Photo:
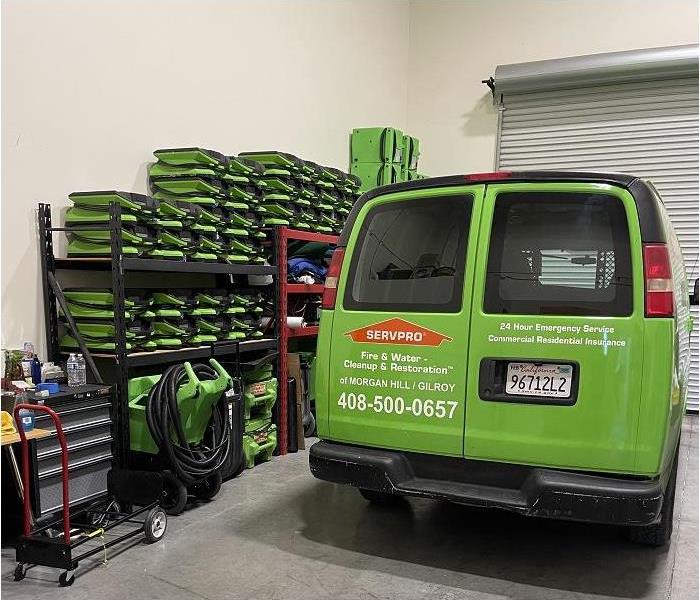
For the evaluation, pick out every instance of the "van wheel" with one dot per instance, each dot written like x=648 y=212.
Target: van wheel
x=379 y=498
x=659 y=533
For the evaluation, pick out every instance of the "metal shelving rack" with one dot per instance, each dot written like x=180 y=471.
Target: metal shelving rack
x=282 y=237
x=115 y=367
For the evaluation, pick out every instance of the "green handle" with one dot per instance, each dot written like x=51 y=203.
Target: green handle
x=690 y=324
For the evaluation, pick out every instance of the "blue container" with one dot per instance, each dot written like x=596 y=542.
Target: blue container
x=26 y=420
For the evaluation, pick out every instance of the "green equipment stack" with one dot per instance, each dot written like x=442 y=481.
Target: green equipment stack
x=260 y=395
x=139 y=213
x=93 y=312
x=383 y=155
x=303 y=194
x=223 y=196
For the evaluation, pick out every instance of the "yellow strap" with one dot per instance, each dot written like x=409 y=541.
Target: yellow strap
x=95 y=533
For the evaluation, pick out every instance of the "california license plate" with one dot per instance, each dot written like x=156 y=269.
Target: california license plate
x=535 y=379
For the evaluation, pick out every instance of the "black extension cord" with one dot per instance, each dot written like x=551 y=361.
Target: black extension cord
x=190 y=463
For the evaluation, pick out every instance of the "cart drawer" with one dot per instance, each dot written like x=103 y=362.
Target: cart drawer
x=86 y=483
x=80 y=454
x=75 y=435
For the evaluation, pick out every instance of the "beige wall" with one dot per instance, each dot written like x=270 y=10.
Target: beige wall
x=90 y=88
x=456 y=44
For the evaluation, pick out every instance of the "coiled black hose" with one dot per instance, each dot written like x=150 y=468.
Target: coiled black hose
x=189 y=462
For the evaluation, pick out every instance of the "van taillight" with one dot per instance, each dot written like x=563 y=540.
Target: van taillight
x=331 y=287
x=658 y=281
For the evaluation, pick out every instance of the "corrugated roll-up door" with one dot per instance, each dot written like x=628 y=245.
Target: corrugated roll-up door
x=630 y=112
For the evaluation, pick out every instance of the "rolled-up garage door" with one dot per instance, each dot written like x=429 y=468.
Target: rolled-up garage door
x=632 y=112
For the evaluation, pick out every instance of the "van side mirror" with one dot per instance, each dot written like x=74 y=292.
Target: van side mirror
x=694 y=296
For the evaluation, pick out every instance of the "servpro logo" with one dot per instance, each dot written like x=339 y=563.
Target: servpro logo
x=397 y=331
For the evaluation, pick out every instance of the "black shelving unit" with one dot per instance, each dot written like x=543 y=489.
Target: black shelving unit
x=117 y=367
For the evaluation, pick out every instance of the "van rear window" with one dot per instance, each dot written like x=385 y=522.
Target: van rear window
x=410 y=255
x=559 y=254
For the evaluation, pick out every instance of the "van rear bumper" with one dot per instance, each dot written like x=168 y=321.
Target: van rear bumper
x=531 y=491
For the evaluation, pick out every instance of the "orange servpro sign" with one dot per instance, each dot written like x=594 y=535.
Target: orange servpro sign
x=397 y=331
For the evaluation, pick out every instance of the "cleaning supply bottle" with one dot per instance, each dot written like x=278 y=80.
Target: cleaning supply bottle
x=36 y=370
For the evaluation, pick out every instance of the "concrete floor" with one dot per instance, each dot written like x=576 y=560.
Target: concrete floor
x=277 y=533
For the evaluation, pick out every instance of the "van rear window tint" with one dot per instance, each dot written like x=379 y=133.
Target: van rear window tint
x=559 y=254
x=410 y=255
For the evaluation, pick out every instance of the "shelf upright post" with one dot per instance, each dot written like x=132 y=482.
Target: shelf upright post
x=283 y=333
x=47 y=265
x=121 y=412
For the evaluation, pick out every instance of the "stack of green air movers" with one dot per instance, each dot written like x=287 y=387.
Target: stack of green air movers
x=260 y=395
x=224 y=196
x=89 y=209
x=93 y=312
x=303 y=194
x=196 y=317
x=383 y=155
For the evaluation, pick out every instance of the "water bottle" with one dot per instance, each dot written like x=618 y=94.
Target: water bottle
x=72 y=370
x=82 y=369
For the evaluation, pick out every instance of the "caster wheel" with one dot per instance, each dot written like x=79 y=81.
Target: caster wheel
x=155 y=524
x=64 y=580
x=20 y=572
x=175 y=496
x=207 y=489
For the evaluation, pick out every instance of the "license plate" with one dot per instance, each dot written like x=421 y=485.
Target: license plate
x=532 y=379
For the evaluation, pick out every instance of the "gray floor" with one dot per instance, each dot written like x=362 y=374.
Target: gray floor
x=277 y=533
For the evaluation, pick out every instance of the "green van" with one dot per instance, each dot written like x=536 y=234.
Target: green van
x=510 y=340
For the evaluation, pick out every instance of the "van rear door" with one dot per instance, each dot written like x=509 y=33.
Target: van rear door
x=557 y=327
x=401 y=322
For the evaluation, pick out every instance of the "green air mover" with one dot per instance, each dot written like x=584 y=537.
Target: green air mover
x=411 y=152
x=135 y=203
x=183 y=417
x=82 y=249
x=69 y=343
x=191 y=156
x=275 y=158
x=259 y=441
x=101 y=331
x=245 y=166
x=203 y=201
x=194 y=186
x=375 y=174
x=259 y=393
x=162 y=253
x=135 y=235
x=94 y=215
x=158 y=171
x=376 y=145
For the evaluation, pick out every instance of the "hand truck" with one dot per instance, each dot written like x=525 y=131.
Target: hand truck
x=55 y=544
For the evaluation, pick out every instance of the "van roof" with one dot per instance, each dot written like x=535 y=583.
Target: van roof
x=648 y=207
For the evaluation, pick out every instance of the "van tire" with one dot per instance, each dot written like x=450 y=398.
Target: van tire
x=379 y=498
x=659 y=533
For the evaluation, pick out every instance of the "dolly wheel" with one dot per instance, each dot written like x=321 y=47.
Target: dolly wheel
x=64 y=580
x=155 y=524
x=207 y=489
x=175 y=497
x=20 y=572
